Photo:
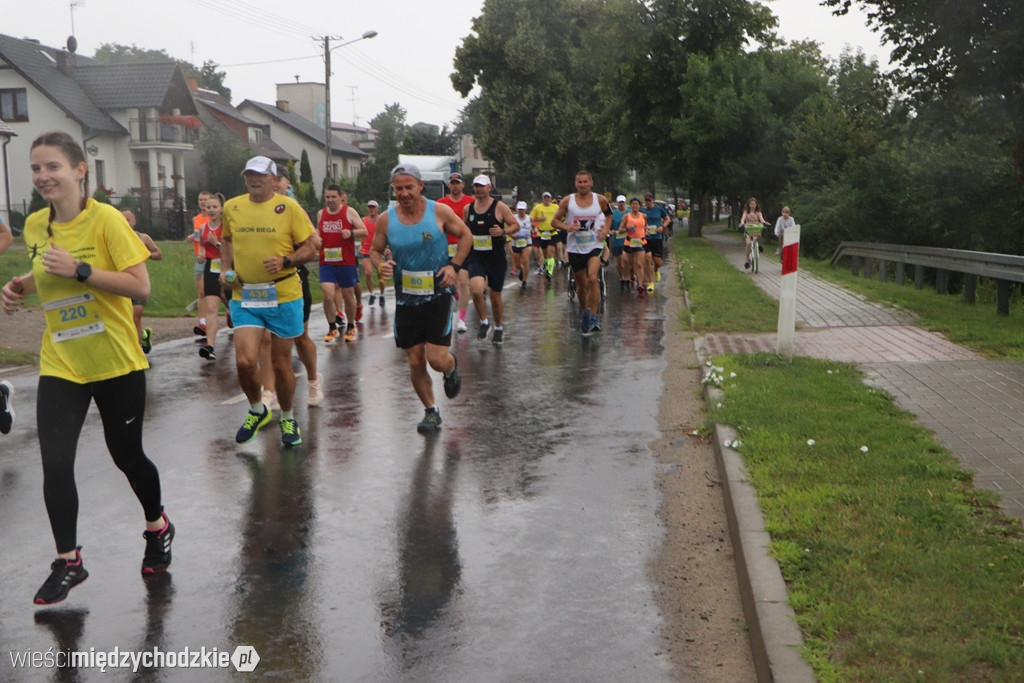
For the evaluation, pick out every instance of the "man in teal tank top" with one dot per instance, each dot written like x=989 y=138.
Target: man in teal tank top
x=414 y=232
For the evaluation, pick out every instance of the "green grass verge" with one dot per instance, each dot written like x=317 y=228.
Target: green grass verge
x=721 y=298
x=897 y=567
x=976 y=326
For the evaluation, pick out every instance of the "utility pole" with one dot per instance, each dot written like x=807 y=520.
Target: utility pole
x=328 y=150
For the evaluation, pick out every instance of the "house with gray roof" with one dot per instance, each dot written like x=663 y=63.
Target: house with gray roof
x=137 y=121
x=296 y=133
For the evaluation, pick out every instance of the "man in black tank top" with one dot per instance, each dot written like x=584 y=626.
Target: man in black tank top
x=491 y=222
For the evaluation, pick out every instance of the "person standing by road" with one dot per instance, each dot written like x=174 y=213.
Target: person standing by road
x=338 y=225
x=370 y=223
x=586 y=218
x=87 y=265
x=260 y=232
x=424 y=276
x=491 y=222
x=458 y=201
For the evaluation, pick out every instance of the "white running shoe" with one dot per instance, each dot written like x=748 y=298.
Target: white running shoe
x=460 y=326
x=316 y=391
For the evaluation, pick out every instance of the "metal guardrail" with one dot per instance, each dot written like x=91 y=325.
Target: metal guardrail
x=1004 y=269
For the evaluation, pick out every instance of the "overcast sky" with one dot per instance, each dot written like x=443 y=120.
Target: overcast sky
x=259 y=43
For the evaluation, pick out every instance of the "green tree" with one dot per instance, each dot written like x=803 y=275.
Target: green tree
x=425 y=138
x=221 y=156
x=963 y=50
x=537 y=107
x=305 y=170
x=374 y=177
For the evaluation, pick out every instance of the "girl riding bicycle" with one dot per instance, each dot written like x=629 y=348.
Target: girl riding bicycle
x=751 y=222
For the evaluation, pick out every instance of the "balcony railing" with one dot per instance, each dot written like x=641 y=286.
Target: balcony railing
x=154 y=131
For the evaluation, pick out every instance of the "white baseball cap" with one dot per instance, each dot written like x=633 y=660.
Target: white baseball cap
x=261 y=165
x=372 y=202
x=481 y=180
x=521 y=205
x=621 y=198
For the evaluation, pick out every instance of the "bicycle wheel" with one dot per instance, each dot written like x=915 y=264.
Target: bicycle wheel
x=755 y=255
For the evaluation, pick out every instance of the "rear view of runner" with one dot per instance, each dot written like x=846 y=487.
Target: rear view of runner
x=458 y=201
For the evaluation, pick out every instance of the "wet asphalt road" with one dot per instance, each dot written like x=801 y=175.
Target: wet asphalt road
x=512 y=545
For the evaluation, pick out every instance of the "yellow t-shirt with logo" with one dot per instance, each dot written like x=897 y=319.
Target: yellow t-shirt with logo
x=542 y=216
x=90 y=335
x=270 y=228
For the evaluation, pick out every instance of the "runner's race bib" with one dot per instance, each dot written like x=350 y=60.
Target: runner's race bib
x=77 y=316
x=215 y=265
x=332 y=255
x=418 y=282
x=261 y=295
x=482 y=242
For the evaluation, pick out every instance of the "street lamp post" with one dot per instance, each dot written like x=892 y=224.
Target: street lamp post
x=328 y=150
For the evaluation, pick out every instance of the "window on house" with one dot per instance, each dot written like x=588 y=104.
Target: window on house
x=101 y=173
x=256 y=136
x=13 y=104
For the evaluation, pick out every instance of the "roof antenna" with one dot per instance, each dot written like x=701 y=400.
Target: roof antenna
x=73 y=4
x=72 y=44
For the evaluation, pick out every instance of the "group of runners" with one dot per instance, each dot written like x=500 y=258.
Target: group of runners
x=88 y=267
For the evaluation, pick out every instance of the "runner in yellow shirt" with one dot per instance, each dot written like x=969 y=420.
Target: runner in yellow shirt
x=87 y=266
x=259 y=236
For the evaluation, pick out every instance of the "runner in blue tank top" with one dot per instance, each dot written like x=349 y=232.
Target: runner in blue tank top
x=424 y=275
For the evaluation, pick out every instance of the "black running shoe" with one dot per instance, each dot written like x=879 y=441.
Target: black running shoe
x=199 y=330
x=497 y=337
x=6 y=408
x=207 y=352
x=252 y=424
x=482 y=332
x=453 y=381
x=158 y=548
x=431 y=422
x=64 y=575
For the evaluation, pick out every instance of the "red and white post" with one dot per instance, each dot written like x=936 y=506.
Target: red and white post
x=787 y=292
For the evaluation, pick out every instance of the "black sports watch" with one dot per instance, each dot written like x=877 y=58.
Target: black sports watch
x=456 y=266
x=83 y=271
x=287 y=262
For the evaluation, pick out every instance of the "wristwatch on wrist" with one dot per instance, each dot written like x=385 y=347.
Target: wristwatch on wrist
x=287 y=263
x=456 y=266
x=82 y=271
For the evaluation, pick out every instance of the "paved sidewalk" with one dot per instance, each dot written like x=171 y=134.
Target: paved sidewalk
x=974 y=406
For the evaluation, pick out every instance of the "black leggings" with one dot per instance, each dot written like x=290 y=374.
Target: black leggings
x=61 y=407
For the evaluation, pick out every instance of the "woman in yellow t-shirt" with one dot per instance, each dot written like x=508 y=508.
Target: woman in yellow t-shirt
x=87 y=266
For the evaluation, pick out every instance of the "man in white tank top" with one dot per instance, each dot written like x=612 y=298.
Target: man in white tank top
x=587 y=219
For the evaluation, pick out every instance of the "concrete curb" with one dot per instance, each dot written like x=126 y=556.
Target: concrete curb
x=775 y=638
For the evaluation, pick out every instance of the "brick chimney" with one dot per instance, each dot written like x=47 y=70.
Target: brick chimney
x=65 y=62
x=193 y=83
x=283 y=105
